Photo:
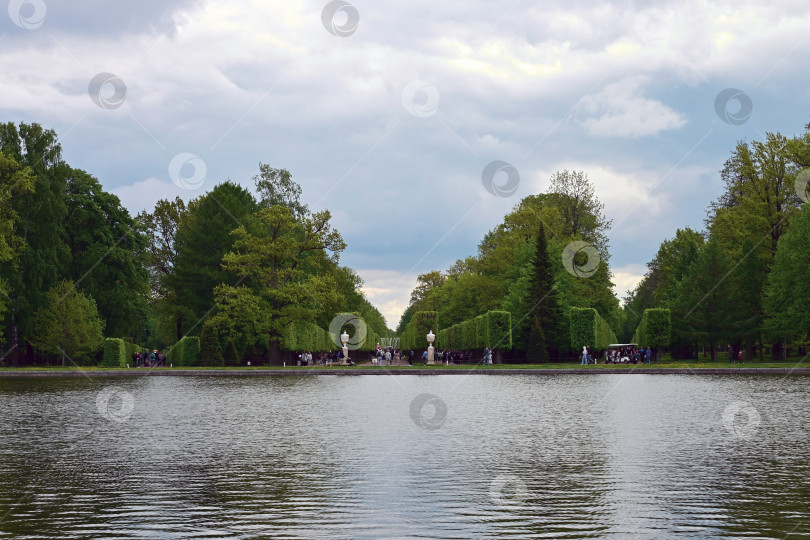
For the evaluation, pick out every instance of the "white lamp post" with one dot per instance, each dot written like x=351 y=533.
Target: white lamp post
x=344 y=337
x=431 y=337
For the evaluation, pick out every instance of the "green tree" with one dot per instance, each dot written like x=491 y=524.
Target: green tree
x=15 y=180
x=203 y=238
x=787 y=286
x=583 y=214
x=282 y=267
x=41 y=214
x=107 y=254
x=544 y=332
x=704 y=297
x=160 y=227
x=276 y=187
x=70 y=325
x=746 y=307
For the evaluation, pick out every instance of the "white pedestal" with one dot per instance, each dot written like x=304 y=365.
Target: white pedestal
x=430 y=360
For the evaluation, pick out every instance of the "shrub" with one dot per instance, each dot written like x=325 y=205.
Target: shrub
x=114 y=353
x=210 y=352
x=190 y=352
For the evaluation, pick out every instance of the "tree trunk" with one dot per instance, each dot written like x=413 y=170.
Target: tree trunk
x=275 y=353
x=761 y=358
x=15 y=342
x=749 y=350
x=713 y=351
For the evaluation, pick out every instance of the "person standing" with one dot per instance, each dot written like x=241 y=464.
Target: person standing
x=388 y=357
x=487 y=356
x=584 y=355
x=648 y=354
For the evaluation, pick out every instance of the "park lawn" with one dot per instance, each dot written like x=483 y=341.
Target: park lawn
x=790 y=363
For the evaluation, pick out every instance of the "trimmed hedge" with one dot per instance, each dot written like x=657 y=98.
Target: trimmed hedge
x=185 y=352
x=493 y=329
x=589 y=328
x=416 y=330
x=655 y=329
x=304 y=336
x=115 y=353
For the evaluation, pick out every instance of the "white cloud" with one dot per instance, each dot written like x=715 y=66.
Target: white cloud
x=145 y=194
x=626 y=278
x=620 y=110
x=389 y=291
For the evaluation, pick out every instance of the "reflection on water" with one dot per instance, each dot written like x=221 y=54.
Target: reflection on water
x=503 y=456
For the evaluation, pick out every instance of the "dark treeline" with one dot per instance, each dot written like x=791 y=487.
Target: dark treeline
x=77 y=267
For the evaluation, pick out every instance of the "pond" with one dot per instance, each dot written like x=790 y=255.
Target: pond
x=455 y=456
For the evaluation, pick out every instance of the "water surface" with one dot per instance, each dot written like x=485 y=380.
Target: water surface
x=570 y=456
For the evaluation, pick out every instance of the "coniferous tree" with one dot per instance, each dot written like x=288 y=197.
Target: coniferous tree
x=543 y=333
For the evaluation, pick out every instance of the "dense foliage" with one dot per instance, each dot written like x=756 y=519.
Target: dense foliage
x=740 y=284
x=589 y=328
x=248 y=266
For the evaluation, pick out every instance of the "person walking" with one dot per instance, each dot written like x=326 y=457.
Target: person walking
x=584 y=355
x=487 y=356
x=388 y=357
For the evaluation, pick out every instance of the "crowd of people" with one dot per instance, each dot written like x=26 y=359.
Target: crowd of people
x=149 y=359
x=629 y=355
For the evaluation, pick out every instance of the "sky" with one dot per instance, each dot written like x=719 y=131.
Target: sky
x=388 y=114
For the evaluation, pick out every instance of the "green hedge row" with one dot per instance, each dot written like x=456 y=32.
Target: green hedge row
x=304 y=336
x=416 y=331
x=118 y=352
x=185 y=352
x=655 y=328
x=115 y=353
x=589 y=328
x=492 y=329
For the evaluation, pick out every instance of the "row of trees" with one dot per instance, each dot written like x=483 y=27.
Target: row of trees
x=77 y=266
x=741 y=282
x=520 y=268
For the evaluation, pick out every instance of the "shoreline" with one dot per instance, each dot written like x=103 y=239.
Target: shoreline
x=304 y=372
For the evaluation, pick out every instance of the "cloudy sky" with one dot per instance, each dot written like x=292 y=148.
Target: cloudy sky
x=387 y=113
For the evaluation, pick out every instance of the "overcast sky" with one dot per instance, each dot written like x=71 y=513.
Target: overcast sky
x=388 y=112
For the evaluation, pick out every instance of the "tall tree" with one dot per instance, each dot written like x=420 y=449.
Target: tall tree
x=107 y=254
x=161 y=227
x=703 y=299
x=203 y=238
x=787 y=286
x=759 y=196
x=582 y=212
x=276 y=186
x=281 y=267
x=70 y=324
x=15 y=180
x=745 y=303
x=41 y=212
x=543 y=337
